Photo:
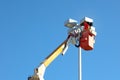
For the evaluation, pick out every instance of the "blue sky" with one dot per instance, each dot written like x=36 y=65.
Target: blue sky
x=31 y=29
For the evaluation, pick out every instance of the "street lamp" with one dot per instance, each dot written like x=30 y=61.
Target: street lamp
x=82 y=36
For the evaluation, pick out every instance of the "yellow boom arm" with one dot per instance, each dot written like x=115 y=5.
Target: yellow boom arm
x=54 y=54
x=39 y=72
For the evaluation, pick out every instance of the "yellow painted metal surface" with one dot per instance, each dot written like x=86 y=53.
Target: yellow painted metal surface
x=54 y=54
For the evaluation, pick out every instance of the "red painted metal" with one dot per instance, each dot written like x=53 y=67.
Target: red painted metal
x=87 y=38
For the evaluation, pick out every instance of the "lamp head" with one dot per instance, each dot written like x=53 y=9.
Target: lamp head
x=70 y=23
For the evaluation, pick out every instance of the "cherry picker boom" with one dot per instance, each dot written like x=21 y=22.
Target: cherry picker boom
x=81 y=35
x=39 y=72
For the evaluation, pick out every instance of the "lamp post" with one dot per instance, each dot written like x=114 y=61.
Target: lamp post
x=79 y=63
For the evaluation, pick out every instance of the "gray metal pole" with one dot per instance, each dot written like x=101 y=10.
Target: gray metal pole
x=79 y=64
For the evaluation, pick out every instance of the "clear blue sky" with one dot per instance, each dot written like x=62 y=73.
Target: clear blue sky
x=31 y=29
